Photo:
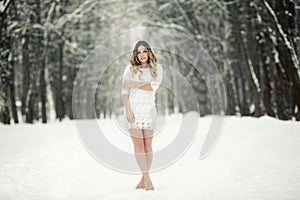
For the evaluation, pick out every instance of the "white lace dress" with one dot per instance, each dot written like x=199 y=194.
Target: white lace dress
x=142 y=102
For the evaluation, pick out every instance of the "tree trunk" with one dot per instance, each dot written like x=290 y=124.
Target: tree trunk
x=11 y=64
x=25 y=73
x=4 y=53
x=285 y=56
x=35 y=47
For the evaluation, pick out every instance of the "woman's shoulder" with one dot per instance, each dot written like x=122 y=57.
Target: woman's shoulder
x=159 y=67
x=127 y=68
x=126 y=72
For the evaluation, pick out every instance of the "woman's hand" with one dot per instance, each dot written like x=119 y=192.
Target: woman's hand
x=130 y=116
x=141 y=85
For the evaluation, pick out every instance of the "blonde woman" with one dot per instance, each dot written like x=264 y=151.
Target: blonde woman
x=141 y=79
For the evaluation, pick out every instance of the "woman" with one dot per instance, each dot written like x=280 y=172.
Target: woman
x=141 y=79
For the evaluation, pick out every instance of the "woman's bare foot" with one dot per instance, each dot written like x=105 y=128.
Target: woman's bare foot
x=148 y=182
x=141 y=184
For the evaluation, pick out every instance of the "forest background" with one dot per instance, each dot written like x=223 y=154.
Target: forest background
x=254 y=43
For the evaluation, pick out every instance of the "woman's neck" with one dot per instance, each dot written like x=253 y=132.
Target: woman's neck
x=144 y=65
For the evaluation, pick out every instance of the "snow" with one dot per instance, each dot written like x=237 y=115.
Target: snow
x=276 y=56
x=255 y=158
x=252 y=108
x=259 y=20
x=267 y=60
x=254 y=77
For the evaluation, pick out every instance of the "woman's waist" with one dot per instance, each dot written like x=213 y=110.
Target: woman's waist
x=141 y=91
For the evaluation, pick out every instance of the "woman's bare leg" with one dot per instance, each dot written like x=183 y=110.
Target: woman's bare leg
x=148 y=135
x=141 y=184
x=137 y=138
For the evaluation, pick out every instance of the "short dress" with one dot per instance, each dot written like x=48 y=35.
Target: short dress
x=142 y=102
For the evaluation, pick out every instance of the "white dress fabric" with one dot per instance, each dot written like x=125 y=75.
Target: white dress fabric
x=142 y=102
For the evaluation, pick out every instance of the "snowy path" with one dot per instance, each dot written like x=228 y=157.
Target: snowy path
x=254 y=159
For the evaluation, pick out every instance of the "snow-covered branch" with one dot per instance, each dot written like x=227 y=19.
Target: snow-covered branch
x=4 y=5
x=183 y=12
x=284 y=36
x=83 y=8
x=231 y=2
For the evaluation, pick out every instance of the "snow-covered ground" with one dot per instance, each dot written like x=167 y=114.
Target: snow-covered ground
x=254 y=159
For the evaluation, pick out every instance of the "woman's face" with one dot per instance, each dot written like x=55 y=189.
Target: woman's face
x=142 y=54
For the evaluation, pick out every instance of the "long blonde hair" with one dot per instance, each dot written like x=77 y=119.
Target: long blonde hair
x=135 y=64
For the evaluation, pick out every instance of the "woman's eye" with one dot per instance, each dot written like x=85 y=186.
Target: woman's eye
x=138 y=52
x=145 y=51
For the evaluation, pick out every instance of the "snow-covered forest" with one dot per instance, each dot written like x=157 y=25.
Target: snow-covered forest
x=255 y=44
x=63 y=60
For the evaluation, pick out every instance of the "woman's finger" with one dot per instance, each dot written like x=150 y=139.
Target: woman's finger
x=132 y=117
x=129 y=118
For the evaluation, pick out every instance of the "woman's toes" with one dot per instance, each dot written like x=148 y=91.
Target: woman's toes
x=141 y=184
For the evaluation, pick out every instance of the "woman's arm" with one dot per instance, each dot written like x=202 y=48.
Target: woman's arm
x=140 y=85
x=129 y=113
x=156 y=83
x=149 y=86
x=125 y=96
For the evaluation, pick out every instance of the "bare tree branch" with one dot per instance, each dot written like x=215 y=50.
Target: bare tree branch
x=284 y=36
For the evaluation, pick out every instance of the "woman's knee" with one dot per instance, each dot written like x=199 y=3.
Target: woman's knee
x=138 y=143
x=148 y=145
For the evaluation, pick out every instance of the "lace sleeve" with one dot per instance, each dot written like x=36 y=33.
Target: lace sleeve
x=155 y=83
x=126 y=76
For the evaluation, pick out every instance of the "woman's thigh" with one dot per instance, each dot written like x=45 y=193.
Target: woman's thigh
x=136 y=133
x=147 y=133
